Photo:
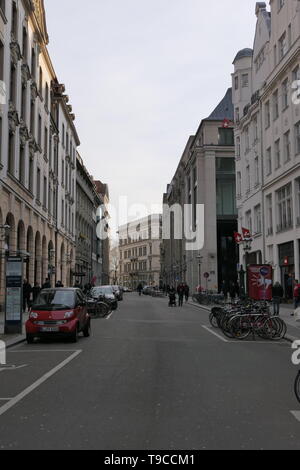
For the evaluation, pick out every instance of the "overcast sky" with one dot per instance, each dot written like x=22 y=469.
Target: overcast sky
x=141 y=74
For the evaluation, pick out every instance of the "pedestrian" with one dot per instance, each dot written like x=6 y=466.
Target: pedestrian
x=224 y=289
x=186 y=292
x=232 y=291
x=277 y=295
x=59 y=285
x=35 y=291
x=172 y=297
x=27 y=289
x=296 y=295
x=180 y=292
x=140 y=289
x=47 y=284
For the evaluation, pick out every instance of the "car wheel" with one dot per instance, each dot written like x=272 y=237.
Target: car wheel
x=29 y=339
x=75 y=335
x=87 y=330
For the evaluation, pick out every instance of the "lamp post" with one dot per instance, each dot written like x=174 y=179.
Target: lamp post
x=50 y=264
x=247 y=245
x=199 y=258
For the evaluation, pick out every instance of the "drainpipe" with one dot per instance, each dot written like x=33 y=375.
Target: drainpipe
x=262 y=183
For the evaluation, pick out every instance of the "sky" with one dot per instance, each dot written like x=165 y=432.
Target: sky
x=141 y=75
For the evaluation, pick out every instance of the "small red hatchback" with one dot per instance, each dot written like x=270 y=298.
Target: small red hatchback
x=58 y=312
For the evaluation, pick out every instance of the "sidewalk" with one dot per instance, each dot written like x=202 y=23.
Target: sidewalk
x=11 y=340
x=293 y=331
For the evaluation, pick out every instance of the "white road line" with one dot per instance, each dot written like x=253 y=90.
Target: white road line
x=107 y=318
x=296 y=415
x=215 y=334
x=31 y=388
x=42 y=351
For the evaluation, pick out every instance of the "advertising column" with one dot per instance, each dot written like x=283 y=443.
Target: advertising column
x=13 y=296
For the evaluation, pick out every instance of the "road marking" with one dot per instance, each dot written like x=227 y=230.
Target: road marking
x=296 y=415
x=9 y=368
x=31 y=388
x=15 y=351
x=214 y=333
x=107 y=318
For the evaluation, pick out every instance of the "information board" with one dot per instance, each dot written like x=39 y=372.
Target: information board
x=14 y=295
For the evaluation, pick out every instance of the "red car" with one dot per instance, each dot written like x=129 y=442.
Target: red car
x=58 y=312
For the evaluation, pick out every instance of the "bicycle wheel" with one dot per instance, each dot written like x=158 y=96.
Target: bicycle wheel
x=213 y=320
x=297 y=387
x=239 y=327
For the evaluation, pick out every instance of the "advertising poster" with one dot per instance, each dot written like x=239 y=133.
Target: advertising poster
x=260 y=280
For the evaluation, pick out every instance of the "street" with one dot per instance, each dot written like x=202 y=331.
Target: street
x=150 y=377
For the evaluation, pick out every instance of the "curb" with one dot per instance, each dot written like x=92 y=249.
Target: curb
x=288 y=338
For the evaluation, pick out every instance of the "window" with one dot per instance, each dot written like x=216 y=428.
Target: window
x=277 y=155
x=22 y=165
x=255 y=130
x=245 y=80
x=13 y=83
x=256 y=166
x=14 y=21
x=248 y=182
x=40 y=131
x=275 y=105
x=1 y=61
x=38 y=184
x=257 y=219
x=63 y=135
x=269 y=161
x=269 y=214
x=47 y=96
x=226 y=137
x=239 y=184
x=282 y=46
x=11 y=153
x=267 y=114
x=24 y=103
x=226 y=197
x=41 y=83
x=248 y=220
x=25 y=45
x=287 y=147
x=63 y=172
x=32 y=118
x=285 y=94
x=237 y=114
x=33 y=64
x=297 y=138
x=238 y=147
x=284 y=208
x=46 y=143
x=62 y=212
x=45 y=193
x=31 y=173
x=247 y=139
x=236 y=83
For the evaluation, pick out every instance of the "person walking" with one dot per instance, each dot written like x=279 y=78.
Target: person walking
x=277 y=295
x=35 y=291
x=47 y=284
x=27 y=289
x=232 y=291
x=140 y=289
x=296 y=295
x=186 y=292
x=180 y=292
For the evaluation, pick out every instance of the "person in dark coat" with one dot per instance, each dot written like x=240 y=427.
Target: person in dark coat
x=47 y=284
x=180 y=292
x=35 y=291
x=186 y=292
x=232 y=291
x=277 y=295
x=27 y=289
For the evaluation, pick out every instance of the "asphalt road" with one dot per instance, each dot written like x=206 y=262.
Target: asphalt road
x=149 y=378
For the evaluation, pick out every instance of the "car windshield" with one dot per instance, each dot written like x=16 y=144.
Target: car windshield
x=97 y=291
x=55 y=299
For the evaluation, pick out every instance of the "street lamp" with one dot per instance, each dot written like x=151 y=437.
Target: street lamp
x=199 y=258
x=247 y=246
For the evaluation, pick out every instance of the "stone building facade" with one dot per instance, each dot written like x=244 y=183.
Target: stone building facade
x=267 y=137
x=139 y=252
x=32 y=111
x=205 y=176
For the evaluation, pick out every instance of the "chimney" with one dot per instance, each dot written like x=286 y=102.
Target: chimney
x=260 y=6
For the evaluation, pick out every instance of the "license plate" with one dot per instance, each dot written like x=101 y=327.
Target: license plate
x=49 y=330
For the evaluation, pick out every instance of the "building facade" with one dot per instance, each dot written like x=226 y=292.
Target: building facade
x=29 y=147
x=205 y=176
x=267 y=136
x=103 y=192
x=139 y=252
x=88 y=267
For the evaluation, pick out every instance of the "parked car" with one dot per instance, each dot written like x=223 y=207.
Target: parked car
x=118 y=291
x=58 y=312
x=126 y=290
x=147 y=290
x=106 y=292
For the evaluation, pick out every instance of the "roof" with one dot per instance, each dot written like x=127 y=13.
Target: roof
x=243 y=53
x=224 y=110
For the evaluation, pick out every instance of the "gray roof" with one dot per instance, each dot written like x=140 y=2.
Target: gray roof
x=243 y=53
x=224 y=110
